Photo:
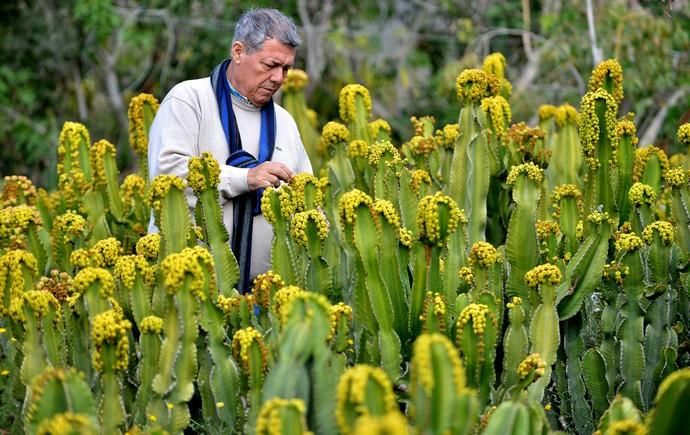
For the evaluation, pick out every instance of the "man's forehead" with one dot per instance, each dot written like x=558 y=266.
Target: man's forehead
x=274 y=48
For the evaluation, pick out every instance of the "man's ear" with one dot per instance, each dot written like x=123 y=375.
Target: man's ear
x=235 y=51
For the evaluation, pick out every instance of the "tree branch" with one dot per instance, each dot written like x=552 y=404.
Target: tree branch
x=597 y=55
x=652 y=131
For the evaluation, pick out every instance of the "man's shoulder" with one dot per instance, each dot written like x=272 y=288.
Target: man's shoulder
x=191 y=89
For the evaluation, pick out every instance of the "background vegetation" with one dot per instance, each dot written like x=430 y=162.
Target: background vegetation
x=83 y=60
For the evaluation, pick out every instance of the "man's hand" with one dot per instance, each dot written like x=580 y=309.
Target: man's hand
x=268 y=174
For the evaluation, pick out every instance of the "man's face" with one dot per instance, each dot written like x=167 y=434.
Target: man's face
x=260 y=74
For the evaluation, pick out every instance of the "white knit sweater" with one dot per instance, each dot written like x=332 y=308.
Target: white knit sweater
x=188 y=124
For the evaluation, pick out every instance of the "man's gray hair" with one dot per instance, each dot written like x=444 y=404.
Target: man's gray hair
x=257 y=25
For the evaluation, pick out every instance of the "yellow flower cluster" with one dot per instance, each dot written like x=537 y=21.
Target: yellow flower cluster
x=597 y=217
x=110 y=328
x=109 y=250
x=495 y=64
x=358 y=148
x=299 y=222
x=546 y=228
x=419 y=176
x=476 y=313
x=68 y=227
x=532 y=171
x=683 y=134
x=41 y=302
x=149 y=245
x=90 y=275
x=14 y=224
x=642 y=157
x=472 y=85
x=270 y=420
x=283 y=299
x=626 y=426
x=84 y=257
x=565 y=191
x=641 y=194
x=608 y=72
x=543 y=274
x=421 y=145
x=625 y=127
x=242 y=342
x=466 y=274
x=534 y=362
x=387 y=424
x=566 y=114
x=406 y=237
x=382 y=208
x=677 y=177
x=484 y=255
x=627 y=242
x=204 y=173
x=337 y=312
x=429 y=219
x=126 y=270
x=497 y=110
x=422 y=125
x=73 y=186
x=665 y=230
x=352 y=390
x=348 y=203
x=265 y=284
x=301 y=184
x=295 y=80
x=287 y=203
x=347 y=102
x=97 y=154
x=229 y=305
x=378 y=128
x=11 y=267
x=616 y=271
x=514 y=302
x=160 y=187
x=525 y=137
x=71 y=135
x=66 y=423
x=133 y=189
x=423 y=368
x=589 y=125
x=381 y=148
x=306 y=298
x=434 y=302
x=334 y=134
x=546 y=111
x=151 y=325
x=58 y=283
x=17 y=189
x=138 y=137
x=177 y=267
x=447 y=137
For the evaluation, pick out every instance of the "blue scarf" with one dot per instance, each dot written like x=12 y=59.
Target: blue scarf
x=248 y=205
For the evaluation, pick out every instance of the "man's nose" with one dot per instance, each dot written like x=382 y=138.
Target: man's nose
x=277 y=75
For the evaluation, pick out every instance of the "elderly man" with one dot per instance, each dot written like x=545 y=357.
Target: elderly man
x=232 y=115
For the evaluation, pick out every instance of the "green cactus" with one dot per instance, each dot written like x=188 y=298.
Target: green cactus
x=667 y=417
x=141 y=111
x=285 y=416
x=477 y=333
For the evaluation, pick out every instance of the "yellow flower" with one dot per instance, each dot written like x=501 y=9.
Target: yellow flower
x=563 y=191
x=109 y=250
x=641 y=194
x=628 y=242
x=474 y=84
x=684 y=134
x=484 y=255
x=495 y=64
x=335 y=134
x=300 y=222
x=384 y=209
x=337 y=312
x=534 y=362
x=676 y=177
x=126 y=270
x=204 y=173
x=447 y=137
x=435 y=210
x=151 y=325
x=644 y=155
x=177 y=267
x=532 y=171
x=390 y=423
x=435 y=303
x=420 y=176
x=16 y=190
x=90 y=275
x=543 y=274
x=138 y=136
x=546 y=228
x=72 y=136
x=608 y=72
x=422 y=370
x=381 y=149
x=265 y=285
x=347 y=102
x=348 y=203
x=378 y=128
x=566 y=114
x=66 y=423
x=352 y=392
x=303 y=185
x=270 y=419
x=626 y=128
x=295 y=80
x=476 y=313
x=160 y=187
x=626 y=427
x=589 y=125
x=420 y=145
x=133 y=189
x=110 y=328
x=241 y=344
x=546 y=111
x=497 y=110
x=278 y=202
x=665 y=230
x=97 y=154
x=406 y=237
x=149 y=245
x=466 y=274
x=358 y=148
x=15 y=222
x=282 y=300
